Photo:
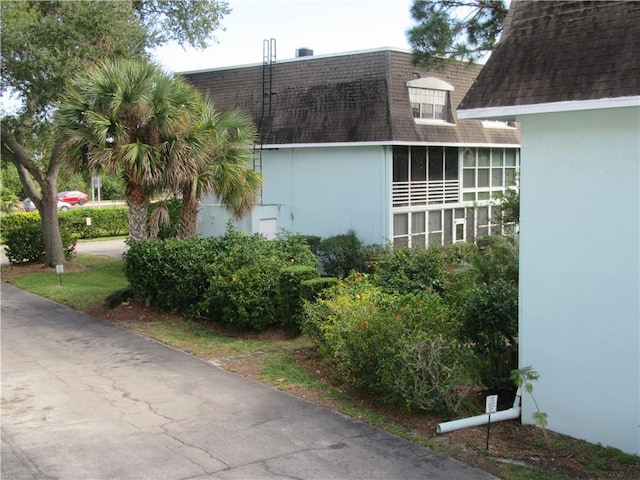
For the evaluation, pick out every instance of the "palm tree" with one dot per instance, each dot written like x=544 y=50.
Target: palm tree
x=131 y=118
x=218 y=161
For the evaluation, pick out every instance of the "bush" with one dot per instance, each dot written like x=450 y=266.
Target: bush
x=406 y=270
x=490 y=260
x=496 y=259
x=170 y=274
x=105 y=222
x=311 y=240
x=243 y=283
x=291 y=294
x=376 y=339
x=24 y=241
x=111 y=221
x=341 y=254
x=312 y=289
x=490 y=322
x=433 y=372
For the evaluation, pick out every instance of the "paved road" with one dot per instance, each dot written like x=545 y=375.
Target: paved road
x=111 y=248
x=82 y=399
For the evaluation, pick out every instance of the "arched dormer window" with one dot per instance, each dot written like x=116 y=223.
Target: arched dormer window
x=430 y=100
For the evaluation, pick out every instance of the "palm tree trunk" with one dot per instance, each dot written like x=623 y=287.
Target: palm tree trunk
x=137 y=212
x=188 y=215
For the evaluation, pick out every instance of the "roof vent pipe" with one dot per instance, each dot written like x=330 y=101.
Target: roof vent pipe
x=304 y=52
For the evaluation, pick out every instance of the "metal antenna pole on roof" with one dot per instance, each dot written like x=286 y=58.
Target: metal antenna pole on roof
x=268 y=60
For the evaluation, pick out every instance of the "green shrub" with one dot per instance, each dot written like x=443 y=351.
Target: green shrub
x=312 y=241
x=24 y=241
x=16 y=220
x=496 y=259
x=105 y=222
x=112 y=187
x=341 y=254
x=405 y=270
x=312 y=289
x=490 y=260
x=243 y=283
x=170 y=274
x=291 y=294
x=433 y=371
x=375 y=339
x=489 y=319
x=456 y=254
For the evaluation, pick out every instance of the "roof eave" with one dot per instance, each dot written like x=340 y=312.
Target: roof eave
x=510 y=112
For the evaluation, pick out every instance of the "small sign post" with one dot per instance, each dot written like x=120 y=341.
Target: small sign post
x=96 y=184
x=491 y=406
x=60 y=271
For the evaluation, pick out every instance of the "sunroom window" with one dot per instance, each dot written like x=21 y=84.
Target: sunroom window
x=430 y=101
x=487 y=171
x=425 y=175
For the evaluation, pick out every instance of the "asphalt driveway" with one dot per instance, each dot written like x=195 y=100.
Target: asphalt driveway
x=82 y=399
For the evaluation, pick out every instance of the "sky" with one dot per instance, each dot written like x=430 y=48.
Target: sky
x=324 y=26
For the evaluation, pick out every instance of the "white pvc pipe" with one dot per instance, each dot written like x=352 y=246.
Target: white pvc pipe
x=509 y=414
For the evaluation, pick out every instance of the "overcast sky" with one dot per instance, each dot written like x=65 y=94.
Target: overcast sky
x=324 y=26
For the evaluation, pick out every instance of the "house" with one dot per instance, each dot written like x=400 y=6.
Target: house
x=365 y=141
x=569 y=73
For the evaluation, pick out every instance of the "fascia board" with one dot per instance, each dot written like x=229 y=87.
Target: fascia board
x=509 y=113
x=385 y=144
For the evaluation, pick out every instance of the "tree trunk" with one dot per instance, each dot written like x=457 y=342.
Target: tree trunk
x=188 y=216
x=45 y=199
x=137 y=212
x=54 y=252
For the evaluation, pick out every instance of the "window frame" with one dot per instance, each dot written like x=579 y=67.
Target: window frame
x=427 y=92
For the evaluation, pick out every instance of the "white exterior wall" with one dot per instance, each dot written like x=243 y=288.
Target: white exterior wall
x=580 y=272
x=322 y=191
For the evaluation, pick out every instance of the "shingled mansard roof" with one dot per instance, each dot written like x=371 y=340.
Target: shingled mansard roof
x=560 y=55
x=357 y=97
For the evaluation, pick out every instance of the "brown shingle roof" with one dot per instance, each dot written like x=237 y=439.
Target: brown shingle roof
x=562 y=51
x=354 y=97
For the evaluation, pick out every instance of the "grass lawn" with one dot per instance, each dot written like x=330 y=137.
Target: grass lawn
x=85 y=281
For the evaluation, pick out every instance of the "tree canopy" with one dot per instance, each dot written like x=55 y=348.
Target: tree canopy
x=154 y=128
x=449 y=30
x=43 y=43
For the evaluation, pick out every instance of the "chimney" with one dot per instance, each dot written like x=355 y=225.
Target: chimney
x=304 y=52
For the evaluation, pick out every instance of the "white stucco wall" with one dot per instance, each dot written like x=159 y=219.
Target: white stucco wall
x=580 y=272
x=320 y=191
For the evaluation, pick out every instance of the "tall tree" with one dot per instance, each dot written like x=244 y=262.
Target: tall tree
x=43 y=43
x=449 y=30
x=129 y=117
x=156 y=130
x=220 y=164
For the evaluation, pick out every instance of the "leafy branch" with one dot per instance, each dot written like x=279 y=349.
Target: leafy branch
x=522 y=378
x=455 y=29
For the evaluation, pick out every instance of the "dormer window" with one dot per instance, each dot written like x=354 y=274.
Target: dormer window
x=430 y=102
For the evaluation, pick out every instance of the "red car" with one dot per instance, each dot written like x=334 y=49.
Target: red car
x=73 y=197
